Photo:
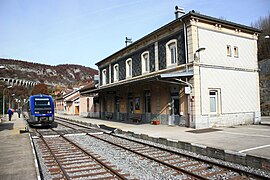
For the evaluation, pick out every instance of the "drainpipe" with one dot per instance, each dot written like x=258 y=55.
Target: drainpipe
x=186 y=61
x=185 y=41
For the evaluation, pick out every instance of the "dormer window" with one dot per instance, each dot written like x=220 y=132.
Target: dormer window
x=145 y=62
x=129 y=68
x=171 y=52
x=104 y=76
x=116 y=72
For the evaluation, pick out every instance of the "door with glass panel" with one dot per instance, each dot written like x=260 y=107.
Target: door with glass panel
x=174 y=117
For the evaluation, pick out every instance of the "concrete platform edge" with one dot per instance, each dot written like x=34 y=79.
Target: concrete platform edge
x=226 y=155
x=35 y=158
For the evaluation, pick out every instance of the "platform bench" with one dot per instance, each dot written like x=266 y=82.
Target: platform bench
x=109 y=115
x=136 y=118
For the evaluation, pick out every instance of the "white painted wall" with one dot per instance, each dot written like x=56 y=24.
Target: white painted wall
x=216 y=49
x=238 y=90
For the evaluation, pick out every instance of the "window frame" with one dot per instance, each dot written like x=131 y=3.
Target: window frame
x=217 y=97
x=229 y=50
x=104 y=77
x=128 y=68
x=236 y=51
x=169 y=44
x=116 y=73
x=145 y=66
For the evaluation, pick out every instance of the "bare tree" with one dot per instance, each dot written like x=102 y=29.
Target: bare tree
x=40 y=89
x=263 y=23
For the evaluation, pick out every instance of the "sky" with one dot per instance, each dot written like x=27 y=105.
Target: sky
x=85 y=32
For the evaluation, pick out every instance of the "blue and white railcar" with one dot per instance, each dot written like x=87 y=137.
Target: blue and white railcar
x=40 y=110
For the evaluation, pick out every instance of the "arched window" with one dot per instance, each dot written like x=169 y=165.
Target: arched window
x=115 y=73
x=145 y=62
x=129 y=68
x=171 y=53
x=104 y=76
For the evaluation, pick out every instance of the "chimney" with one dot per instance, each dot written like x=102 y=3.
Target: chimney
x=179 y=12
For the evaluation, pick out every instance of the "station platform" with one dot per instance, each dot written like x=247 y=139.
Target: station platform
x=244 y=144
x=16 y=155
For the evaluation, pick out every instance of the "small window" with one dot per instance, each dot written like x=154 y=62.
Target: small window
x=104 y=74
x=116 y=72
x=129 y=68
x=229 y=52
x=145 y=62
x=235 y=51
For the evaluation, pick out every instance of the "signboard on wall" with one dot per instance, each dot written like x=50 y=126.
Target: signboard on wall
x=187 y=90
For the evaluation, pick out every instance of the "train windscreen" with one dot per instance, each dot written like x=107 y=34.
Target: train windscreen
x=43 y=106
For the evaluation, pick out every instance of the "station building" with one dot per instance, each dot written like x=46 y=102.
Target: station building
x=196 y=71
x=69 y=103
x=89 y=102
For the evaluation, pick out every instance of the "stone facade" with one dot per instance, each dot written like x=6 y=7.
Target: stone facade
x=202 y=72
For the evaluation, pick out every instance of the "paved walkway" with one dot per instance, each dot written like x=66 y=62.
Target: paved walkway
x=16 y=156
x=248 y=139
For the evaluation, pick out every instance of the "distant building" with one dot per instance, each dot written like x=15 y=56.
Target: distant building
x=69 y=103
x=89 y=102
x=196 y=71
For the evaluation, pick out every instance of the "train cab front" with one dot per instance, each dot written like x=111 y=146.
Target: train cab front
x=42 y=120
x=42 y=111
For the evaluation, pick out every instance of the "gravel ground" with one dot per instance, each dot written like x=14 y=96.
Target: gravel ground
x=136 y=166
x=129 y=163
x=238 y=166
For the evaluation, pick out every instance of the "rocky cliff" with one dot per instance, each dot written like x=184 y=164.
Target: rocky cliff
x=63 y=75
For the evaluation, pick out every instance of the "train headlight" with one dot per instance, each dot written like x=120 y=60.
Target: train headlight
x=51 y=118
x=49 y=112
x=36 y=112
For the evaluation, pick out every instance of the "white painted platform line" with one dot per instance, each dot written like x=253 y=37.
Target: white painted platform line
x=244 y=134
x=35 y=158
x=250 y=149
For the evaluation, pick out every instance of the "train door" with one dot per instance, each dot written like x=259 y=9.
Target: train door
x=117 y=107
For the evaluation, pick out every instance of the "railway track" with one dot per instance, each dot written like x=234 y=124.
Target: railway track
x=64 y=159
x=167 y=163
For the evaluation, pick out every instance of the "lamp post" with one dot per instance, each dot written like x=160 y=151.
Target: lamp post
x=4 y=99
x=197 y=58
x=9 y=106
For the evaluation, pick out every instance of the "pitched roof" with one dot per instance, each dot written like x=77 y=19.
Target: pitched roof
x=184 y=18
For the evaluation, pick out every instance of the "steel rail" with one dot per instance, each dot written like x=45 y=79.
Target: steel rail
x=66 y=176
x=241 y=172
x=143 y=155
x=151 y=158
x=113 y=172
x=196 y=158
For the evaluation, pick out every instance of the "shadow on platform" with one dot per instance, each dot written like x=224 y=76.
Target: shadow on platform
x=6 y=126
